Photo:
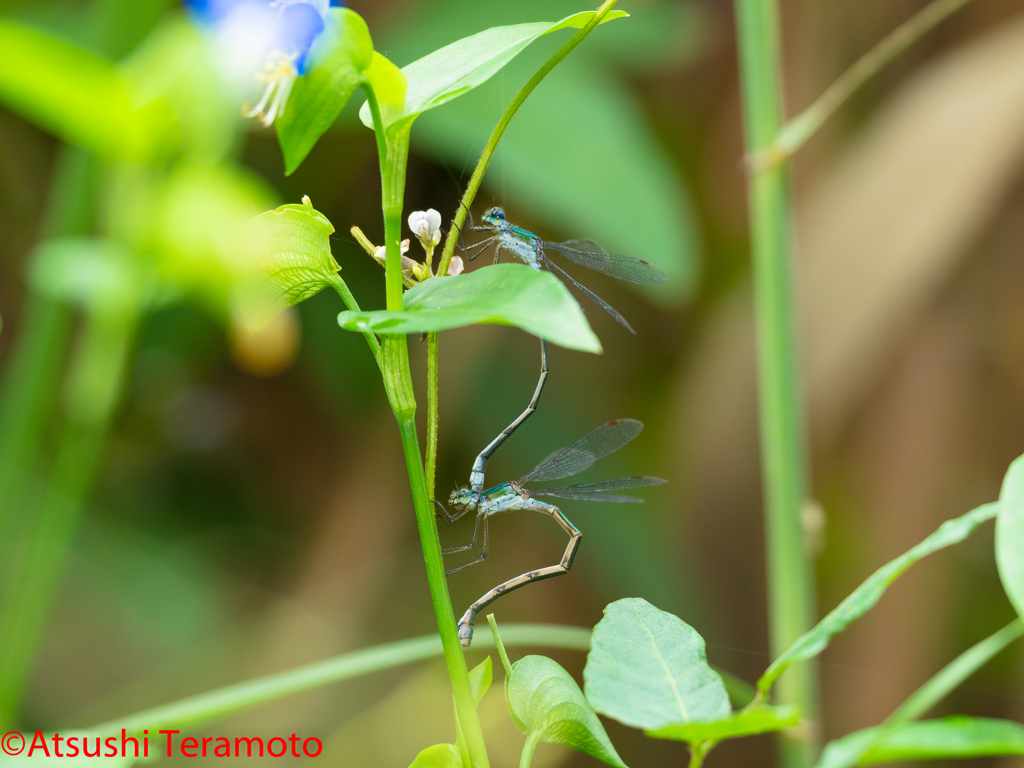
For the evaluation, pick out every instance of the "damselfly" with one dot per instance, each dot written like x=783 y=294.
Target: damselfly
x=511 y=496
x=531 y=249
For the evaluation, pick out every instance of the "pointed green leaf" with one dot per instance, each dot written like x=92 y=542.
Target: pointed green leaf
x=862 y=599
x=438 y=756
x=292 y=248
x=480 y=678
x=76 y=95
x=1010 y=535
x=949 y=737
x=337 y=61
x=506 y=294
x=457 y=68
x=547 y=704
x=647 y=669
x=746 y=722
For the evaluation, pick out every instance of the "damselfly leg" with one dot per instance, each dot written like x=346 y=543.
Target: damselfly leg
x=468 y=620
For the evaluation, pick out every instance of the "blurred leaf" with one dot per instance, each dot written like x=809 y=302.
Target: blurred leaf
x=75 y=94
x=647 y=668
x=438 y=756
x=507 y=294
x=457 y=68
x=950 y=737
x=174 y=66
x=547 y=705
x=862 y=599
x=480 y=678
x=292 y=249
x=198 y=232
x=746 y=722
x=580 y=136
x=1010 y=535
x=337 y=62
x=93 y=273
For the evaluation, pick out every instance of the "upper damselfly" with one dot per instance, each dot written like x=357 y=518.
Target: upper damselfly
x=534 y=251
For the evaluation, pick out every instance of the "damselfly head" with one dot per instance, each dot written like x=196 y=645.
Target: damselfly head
x=461 y=498
x=494 y=216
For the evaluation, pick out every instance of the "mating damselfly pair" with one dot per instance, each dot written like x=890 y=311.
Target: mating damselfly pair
x=606 y=439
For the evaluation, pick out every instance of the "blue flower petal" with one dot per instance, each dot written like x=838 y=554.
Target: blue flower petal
x=300 y=25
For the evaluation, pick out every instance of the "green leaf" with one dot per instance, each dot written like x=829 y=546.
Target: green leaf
x=291 y=245
x=455 y=69
x=1010 y=535
x=746 y=722
x=949 y=737
x=480 y=678
x=336 y=67
x=506 y=294
x=93 y=273
x=647 y=668
x=547 y=705
x=198 y=229
x=862 y=599
x=438 y=756
x=76 y=95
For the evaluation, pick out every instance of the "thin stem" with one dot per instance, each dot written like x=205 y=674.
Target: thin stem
x=350 y=302
x=532 y=740
x=492 y=143
x=430 y=466
x=95 y=385
x=499 y=644
x=210 y=706
x=796 y=132
x=697 y=754
x=790 y=589
x=467 y=200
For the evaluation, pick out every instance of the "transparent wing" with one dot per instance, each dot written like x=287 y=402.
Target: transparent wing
x=591 y=295
x=582 y=454
x=593 y=491
x=589 y=254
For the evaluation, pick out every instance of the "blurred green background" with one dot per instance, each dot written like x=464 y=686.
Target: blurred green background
x=244 y=523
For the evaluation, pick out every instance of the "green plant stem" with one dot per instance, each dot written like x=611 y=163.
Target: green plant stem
x=532 y=740
x=795 y=133
x=342 y=289
x=697 y=754
x=430 y=466
x=467 y=200
x=95 y=384
x=499 y=644
x=790 y=590
x=394 y=362
x=30 y=384
x=210 y=706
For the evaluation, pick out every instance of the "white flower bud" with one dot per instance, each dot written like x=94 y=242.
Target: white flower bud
x=456 y=265
x=426 y=225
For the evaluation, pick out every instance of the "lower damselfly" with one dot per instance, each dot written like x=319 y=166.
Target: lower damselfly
x=534 y=251
x=512 y=496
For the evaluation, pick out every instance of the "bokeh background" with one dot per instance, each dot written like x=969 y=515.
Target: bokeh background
x=244 y=523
